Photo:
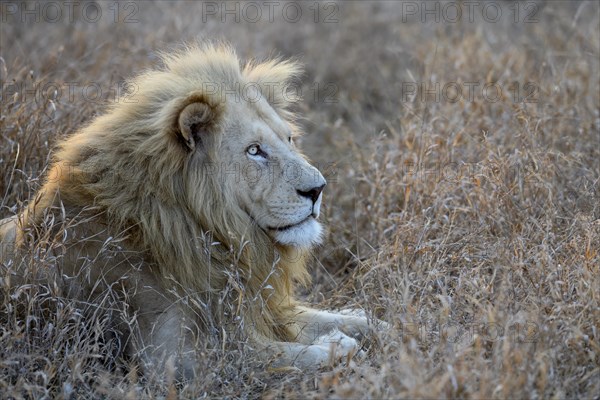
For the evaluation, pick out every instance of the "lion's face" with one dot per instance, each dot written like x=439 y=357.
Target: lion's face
x=276 y=186
x=259 y=165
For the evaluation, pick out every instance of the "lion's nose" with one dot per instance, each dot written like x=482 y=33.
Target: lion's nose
x=312 y=194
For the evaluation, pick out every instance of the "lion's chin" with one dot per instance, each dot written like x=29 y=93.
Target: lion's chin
x=304 y=235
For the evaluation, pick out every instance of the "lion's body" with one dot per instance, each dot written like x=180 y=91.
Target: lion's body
x=162 y=197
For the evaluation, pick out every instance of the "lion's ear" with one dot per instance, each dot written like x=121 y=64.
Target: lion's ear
x=195 y=120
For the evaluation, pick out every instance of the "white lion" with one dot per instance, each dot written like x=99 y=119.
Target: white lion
x=192 y=188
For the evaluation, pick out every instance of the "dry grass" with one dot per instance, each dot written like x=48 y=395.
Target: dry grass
x=472 y=226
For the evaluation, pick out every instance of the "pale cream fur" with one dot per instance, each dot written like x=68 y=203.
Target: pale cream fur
x=164 y=197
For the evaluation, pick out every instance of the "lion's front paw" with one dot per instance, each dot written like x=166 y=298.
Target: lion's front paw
x=328 y=349
x=355 y=324
x=338 y=346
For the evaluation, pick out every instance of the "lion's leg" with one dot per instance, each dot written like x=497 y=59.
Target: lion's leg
x=327 y=349
x=164 y=342
x=163 y=336
x=310 y=324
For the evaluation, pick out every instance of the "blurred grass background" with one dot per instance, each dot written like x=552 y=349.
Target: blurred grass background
x=462 y=154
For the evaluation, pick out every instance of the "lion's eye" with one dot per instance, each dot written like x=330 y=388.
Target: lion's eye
x=290 y=139
x=253 y=150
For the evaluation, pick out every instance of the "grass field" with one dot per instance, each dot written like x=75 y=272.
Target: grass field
x=462 y=154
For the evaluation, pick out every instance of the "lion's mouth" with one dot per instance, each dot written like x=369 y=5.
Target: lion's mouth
x=287 y=227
